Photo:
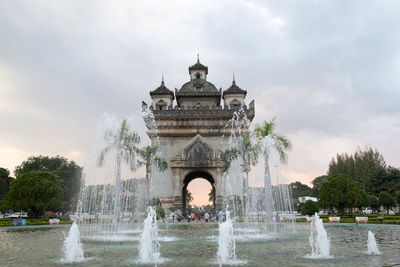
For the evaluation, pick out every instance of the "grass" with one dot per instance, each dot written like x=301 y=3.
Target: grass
x=351 y=218
x=34 y=221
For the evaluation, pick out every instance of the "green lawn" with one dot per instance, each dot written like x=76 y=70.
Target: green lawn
x=30 y=221
x=372 y=218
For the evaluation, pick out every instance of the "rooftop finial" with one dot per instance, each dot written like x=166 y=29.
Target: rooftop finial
x=198 y=58
x=162 y=79
x=233 y=76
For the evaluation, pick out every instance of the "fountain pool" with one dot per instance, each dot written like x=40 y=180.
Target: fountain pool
x=197 y=245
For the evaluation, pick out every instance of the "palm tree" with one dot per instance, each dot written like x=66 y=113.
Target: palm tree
x=248 y=151
x=189 y=197
x=211 y=195
x=149 y=156
x=126 y=142
x=279 y=142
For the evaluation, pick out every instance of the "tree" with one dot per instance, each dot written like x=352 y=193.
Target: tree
x=160 y=212
x=318 y=181
x=149 y=156
x=126 y=142
x=373 y=202
x=245 y=149
x=35 y=192
x=397 y=196
x=386 y=200
x=189 y=197
x=5 y=182
x=69 y=173
x=300 y=190
x=279 y=142
x=309 y=208
x=248 y=152
x=385 y=179
x=360 y=166
x=211 y=195
x=339 y=191
x=266 y=135
x=363 y=199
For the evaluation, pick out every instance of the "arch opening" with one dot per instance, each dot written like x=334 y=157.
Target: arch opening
x=196 y=175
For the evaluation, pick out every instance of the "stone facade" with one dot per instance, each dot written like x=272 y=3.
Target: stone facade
x=191 y=134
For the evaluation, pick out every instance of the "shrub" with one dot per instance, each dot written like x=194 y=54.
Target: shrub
x=309 y=208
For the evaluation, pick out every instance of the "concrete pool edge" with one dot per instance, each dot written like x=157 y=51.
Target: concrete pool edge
x=193 y=224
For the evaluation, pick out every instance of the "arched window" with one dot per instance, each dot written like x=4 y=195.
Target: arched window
x=198 y=75
x=235 y=104
x=161 y=104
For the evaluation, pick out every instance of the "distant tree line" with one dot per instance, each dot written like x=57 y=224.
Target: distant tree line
x=358 y=180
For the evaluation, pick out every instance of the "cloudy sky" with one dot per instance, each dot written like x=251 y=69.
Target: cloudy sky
x=328 y=70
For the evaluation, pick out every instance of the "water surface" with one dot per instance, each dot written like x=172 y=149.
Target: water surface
x=196 y=245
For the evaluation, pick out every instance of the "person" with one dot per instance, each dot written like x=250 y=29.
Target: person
x=173 y=217
x=189 y=217
x=193 y=216
x=220 y=216
x=216 y=215
x=198 y=216
x=206 y=216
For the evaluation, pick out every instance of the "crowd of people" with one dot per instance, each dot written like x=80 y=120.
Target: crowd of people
x=200 y=216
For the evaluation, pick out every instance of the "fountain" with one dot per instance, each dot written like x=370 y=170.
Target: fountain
x=149 y=247
x=372 y=246
x=72 y=248
x=112 y=235
x=110 y=202
x=226 y=242
x=264 y=205
x=319 y=242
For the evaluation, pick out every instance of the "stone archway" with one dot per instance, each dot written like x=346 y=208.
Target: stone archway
x=190 y=177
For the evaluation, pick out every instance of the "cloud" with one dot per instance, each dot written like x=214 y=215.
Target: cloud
x=328 y=70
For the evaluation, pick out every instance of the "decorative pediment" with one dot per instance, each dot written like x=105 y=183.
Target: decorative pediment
x=198 y=150
x=196 y=153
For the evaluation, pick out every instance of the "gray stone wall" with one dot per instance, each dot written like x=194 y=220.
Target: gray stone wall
x=170 y=183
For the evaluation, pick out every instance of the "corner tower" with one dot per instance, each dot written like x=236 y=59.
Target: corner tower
x=190 y=134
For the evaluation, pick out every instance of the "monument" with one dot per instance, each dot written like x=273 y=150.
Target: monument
x=190 y=134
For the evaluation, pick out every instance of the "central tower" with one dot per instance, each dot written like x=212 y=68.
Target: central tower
x=190 y=134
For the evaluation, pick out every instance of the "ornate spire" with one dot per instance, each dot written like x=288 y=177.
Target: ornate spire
x=234 y=89
x=198 y=66
x=162 y=89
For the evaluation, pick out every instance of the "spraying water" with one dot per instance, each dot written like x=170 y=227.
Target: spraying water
x=319 y=242
x=72 y=248
x=226 y=241
x=262 y=205
x=372 y=246
x=117 y=176
x=149 y=247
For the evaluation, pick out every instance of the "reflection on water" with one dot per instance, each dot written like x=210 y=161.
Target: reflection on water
x=195 y=245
